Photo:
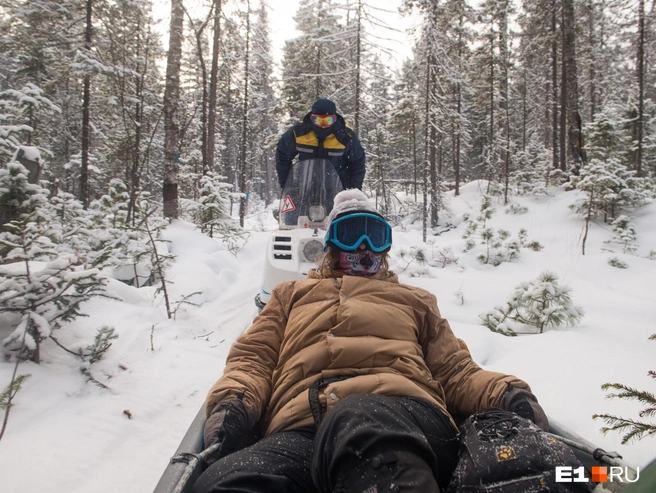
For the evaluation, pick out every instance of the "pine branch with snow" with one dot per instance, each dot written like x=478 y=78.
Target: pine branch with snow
x=633 y=429
x=541 y=303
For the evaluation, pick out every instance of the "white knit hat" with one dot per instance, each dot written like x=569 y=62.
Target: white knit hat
x=351 y=200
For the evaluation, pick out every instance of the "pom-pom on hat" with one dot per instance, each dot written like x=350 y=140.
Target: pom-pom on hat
x=324 y=107
x=351 y=200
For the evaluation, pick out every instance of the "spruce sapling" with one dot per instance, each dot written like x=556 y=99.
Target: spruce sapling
x=633 y=429
x=541 y=303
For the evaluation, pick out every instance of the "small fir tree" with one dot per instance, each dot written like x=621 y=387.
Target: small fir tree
x=542 y=304
x=41 y=286
x=633 y=429
x=625 y=234
x=212 y=213
x=610 y=188
x=499 y=247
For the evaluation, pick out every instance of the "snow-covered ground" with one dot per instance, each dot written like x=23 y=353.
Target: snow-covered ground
x=66 y=435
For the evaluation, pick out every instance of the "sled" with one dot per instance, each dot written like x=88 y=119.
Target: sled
x=187 y=464
x=305 y=203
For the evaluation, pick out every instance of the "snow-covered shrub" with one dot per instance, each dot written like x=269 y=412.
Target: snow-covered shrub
x=617 y=263
x=406 y=212
x=529 y=170
x=212 y=213
x=498 y=245
x=633 y=429
x=415 y=260
x=516 y=209
x=19 y=109
x=408 y=257
x=101 y=343
x=441 y=256
x=536 y=246
x=558 y=177
x=18 y=197
x=624 y=234
x=610 y=188
x=41 y=287
x=541 y=303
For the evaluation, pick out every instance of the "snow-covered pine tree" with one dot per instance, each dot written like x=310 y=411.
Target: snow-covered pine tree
x=212 y=212
x=625 y=234
x=541 y=303
x=499 y=247
x=19 y=110
x=610 y=188
x=41 y=287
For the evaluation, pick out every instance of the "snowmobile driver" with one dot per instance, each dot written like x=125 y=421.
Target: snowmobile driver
x=323 y=134
x=353 y=377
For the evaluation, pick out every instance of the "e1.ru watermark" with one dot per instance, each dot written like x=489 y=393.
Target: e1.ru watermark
x=600 y=474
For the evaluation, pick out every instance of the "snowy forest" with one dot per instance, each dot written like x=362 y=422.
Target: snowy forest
x=518 y=93
x=109 y=128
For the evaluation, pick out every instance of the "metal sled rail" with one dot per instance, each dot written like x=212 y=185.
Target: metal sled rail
x=188 y=462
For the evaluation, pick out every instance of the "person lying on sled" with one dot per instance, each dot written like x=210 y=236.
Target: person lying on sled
x=354 y=377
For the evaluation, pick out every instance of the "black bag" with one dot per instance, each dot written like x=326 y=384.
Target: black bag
x=501 y=452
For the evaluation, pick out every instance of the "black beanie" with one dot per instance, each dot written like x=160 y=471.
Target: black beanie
x=324 y=107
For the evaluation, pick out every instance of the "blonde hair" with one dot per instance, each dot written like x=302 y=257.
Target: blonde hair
x=330 y=259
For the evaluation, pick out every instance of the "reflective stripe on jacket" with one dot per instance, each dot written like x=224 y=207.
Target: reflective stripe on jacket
x=340 y=146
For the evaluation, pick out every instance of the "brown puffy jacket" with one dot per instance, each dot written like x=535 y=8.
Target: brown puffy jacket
x=387 y=337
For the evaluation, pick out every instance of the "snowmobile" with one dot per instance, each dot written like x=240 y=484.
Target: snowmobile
x=188 y=462
x=305 y=203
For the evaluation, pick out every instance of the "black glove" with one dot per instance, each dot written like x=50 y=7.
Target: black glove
x=227 y=425
x=525 y=404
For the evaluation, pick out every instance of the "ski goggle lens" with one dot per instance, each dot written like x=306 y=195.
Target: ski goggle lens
x=323 y=121
x=348 y=232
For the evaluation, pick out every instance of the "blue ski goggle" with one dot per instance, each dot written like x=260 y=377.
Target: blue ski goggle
x=348 y=232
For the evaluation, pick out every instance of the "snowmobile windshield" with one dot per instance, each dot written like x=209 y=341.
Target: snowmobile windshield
x=307 y=197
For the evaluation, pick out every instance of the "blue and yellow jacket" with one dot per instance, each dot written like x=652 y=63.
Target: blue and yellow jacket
x=339 y=144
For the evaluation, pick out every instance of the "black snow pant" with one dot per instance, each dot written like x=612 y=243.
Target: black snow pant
x=367 y=443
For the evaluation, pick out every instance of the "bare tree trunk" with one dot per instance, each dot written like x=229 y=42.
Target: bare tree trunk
x=414 y=152
x=554 y=88
x=214 y=76
x=574 y=124
x=563 y=106
x=135 y=170
x=171 y=101
x=243 y=174
x=592 y=74
x=358 y=61
x=458 y=129
x=432 y=96
x=503 y=103
x=86 y=118
x=493 y=151
x=427 y=145
x=641 y=86
x=198 y=32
